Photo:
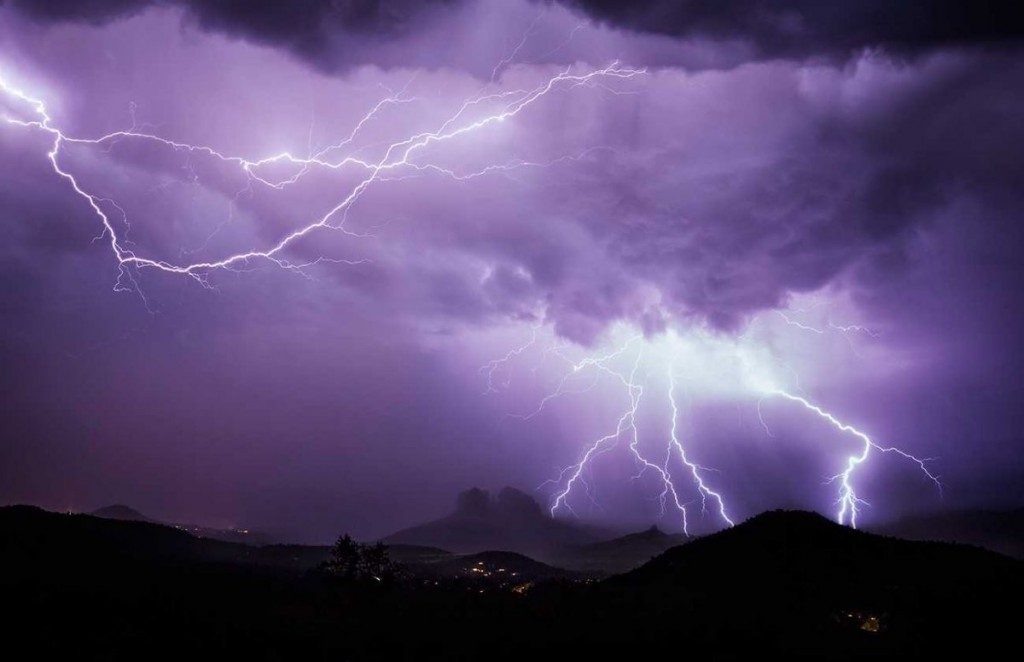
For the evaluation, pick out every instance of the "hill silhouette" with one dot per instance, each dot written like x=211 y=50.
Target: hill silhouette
x=781 y=583
x=40 y=535
x=129 y=514
x=809 y=554
x=797 y=581
x=491 y=567
x=1000 y=531
x=121 y=512
x=35 y=536
x=620 y=554
x=512 y=521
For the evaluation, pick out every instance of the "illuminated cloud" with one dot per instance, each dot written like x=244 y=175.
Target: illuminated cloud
x=750 y=167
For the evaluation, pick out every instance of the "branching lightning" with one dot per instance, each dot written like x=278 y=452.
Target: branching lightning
x=626 y=425
x=397 y=157
x=849 y=502
x=756 y=379
x=841 y=328
x=409 y=156
x=626 y=429
x=491 y=367
x=695 y=469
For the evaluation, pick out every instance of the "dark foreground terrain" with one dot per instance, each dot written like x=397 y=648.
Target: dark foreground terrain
x=788 y=582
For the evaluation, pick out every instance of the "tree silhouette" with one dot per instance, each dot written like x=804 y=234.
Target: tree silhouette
x=355 y=562
x=344 y=560
x=376 y=563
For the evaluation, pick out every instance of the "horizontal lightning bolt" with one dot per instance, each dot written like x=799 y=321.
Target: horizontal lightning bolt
x=397 y=155
x=842 y=328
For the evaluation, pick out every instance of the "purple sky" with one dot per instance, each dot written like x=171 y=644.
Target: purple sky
x=757 y=176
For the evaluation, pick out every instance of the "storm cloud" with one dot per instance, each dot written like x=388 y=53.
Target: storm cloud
x=761 y=153
x=803 y=28
x=334 y=35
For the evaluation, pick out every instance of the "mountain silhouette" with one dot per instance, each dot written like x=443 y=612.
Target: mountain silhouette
x=783 y=583
x=802 y=548
x=513 y=521
x=620 y=554
x=40 y=534
x=121 y=512
x=799 y=582
x=129 y=514
x=1000 y=531
x=37 y=535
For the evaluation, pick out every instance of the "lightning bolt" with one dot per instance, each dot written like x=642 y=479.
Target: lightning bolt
x=760 y=377
x=508 y=59
x=626 y=428
x=397 y=156
x=599 y=363
x=800 y=325
x=849 y=502
x=695 y=469
x=645 y=465
x=626 y=424
x=409 y=156
x=492 y=366
x=849 y=328
x=841 y=328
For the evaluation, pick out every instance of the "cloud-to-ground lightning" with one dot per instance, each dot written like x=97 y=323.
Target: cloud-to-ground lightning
x=849 y=502
x=626 y=428
x=397 y=156
x=695 y=469
x=626 y=425
x=410 y=156
x=755 y=380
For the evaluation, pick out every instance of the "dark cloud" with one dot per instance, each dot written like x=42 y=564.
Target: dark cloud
x=333 y=35
x=284 y=22
x=306 y=28
x=817 y=169
x=88 y=11
x=677 y=199
x=801 y=28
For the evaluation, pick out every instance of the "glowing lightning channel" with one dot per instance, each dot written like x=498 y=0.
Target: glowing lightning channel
x=848 y=499
x=507 y=60
x=841 y=328
x=849 y=328
x=626 y=423
x=490 y=367
x=396 y=156
x=695 y=469
x=849 y=502
x=800 y=325
x=600 y=364
x=667 y=486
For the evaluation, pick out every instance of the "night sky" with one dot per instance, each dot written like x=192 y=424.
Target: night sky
x=743 y=209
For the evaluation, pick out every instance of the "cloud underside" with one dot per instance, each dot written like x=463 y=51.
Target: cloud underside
x=703 y=198
x=333 y=33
